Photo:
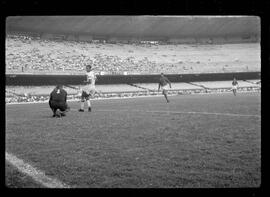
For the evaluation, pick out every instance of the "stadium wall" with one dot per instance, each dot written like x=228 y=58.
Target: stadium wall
x=43 y=80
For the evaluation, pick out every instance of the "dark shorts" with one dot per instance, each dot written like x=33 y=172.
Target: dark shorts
x=85 y=96
x=62 y=106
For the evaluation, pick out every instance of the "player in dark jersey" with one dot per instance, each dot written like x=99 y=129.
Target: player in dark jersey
x=58 y=100
x=163 y=85
x=234 y=86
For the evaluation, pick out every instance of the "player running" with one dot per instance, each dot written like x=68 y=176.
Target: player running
x=234 y=86
x=58 y=100
x=89 y=89
x=163 y=85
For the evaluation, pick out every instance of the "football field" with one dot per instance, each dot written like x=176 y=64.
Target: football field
x=206 y=140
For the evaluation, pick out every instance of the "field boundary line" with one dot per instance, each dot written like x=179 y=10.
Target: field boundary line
x=183 y=112
x=38 y=175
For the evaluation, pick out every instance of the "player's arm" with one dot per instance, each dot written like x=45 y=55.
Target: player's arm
x=158 y=86
x=87 y=80
x=50 y=97
x=169 y=82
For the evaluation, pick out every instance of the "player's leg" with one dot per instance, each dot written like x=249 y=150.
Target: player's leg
x=91 y=94
x=164 y=91
x=63 y=107
x=166 y=96
x=59 y=109
x=53 y=107
x=54 y=112
x=83 y=97
x=97 y=92
x=234 y=90
x=93 y=91
x=88 y=104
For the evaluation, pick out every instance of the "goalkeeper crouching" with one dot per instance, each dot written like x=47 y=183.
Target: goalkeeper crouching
x=58 y=101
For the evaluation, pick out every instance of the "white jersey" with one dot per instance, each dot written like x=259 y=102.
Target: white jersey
x=91 y=80
x=91 y=77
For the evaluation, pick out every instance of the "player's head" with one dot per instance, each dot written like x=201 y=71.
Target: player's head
x=88 y=68
x=162 y=74
x=59 y=86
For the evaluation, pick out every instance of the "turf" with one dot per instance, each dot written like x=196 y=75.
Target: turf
x=133 y=143
x=16 y=179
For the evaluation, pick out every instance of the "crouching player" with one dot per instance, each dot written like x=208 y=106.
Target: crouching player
x=163 y=85
x=89 y=90
x=58 y=100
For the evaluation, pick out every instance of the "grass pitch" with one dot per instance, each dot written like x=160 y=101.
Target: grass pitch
x=141 y=142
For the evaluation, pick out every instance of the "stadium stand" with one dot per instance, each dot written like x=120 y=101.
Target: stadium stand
x=129 y=45
x=28 y=54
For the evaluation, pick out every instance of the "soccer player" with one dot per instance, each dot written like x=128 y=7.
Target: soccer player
x=234 y=86
x=89 y=90
x=58 y=100
x=163 y=85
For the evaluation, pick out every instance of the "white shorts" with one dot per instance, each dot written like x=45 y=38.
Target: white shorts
x=234 y=87
x=166 y=87
x=89 y=89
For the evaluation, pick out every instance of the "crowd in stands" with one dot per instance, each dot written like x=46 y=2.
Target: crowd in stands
x=27 y=54
x=32 y=54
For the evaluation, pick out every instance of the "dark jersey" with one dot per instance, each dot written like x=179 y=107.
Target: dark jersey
x=163 y=81
x=58 y=95
x=234 y=83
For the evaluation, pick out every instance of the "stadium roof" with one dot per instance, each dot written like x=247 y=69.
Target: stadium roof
x=138 y=26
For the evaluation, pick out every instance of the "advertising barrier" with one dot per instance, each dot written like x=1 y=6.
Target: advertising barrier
x=44 y=80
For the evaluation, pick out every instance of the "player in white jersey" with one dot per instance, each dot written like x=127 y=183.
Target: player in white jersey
x=89 y=89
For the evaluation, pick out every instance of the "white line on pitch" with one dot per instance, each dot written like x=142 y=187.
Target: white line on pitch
x=183 y=112
x=36 y=174
x=175 y=112
x=209 y=113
